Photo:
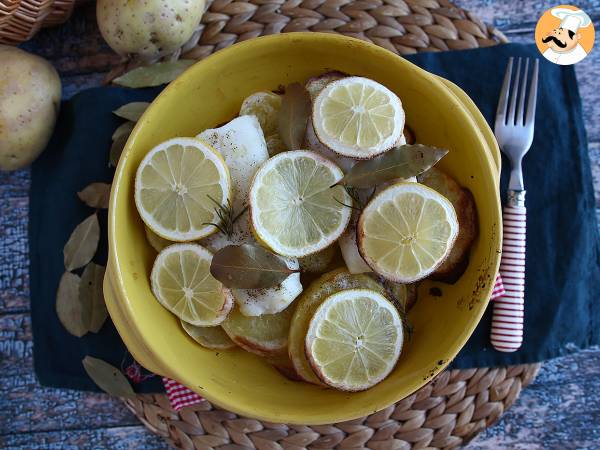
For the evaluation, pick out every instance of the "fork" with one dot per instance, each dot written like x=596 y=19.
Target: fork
x=514 y=133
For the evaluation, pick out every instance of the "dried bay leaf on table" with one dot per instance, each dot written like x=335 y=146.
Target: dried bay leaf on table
x=107 y=377
x=123 y=129
x=96 y=195
x=404 y=162
x=92 y=298
x=68 y=307
x=132 y=111
x=248 y=267
x=154 y=75
x=294 y=115
x=81 y=246
x=116 y=149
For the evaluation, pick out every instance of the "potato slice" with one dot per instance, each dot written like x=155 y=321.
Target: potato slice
x=213 y=338
x=307 y=304
x=464 y=204
x=158 y=243
x=403 y=296
x=283 y=364
x=314 y=85
x=265 y=335
x=318 y=262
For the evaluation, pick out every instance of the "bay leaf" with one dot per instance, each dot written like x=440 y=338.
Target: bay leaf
x=154 y=75
x=125 y=128
x=107 y=377
x=248 y=267
x=81 y=246
x=68 y=307
x=116 y=149
x=293 y=116
x=132 y=111
x=404 y=162
x=96 y=195
x=91 y=297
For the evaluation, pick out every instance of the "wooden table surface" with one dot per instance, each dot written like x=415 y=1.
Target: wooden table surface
x=560 y=410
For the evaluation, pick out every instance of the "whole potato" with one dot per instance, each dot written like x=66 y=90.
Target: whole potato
x=29 y=101
x=148 y=28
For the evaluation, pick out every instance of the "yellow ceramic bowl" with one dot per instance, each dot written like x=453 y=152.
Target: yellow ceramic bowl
x=210 y=93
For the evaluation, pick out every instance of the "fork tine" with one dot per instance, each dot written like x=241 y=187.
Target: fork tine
x=520 y=119
x=514 y=91
x=503 y=101
x=531 y=102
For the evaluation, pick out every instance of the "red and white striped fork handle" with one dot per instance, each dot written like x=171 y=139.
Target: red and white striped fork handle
x=507 y=320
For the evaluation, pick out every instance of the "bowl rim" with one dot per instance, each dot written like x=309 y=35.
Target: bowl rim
x=125 y=314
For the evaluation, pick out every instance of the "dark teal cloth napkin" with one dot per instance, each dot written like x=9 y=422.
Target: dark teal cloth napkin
x=563 y=246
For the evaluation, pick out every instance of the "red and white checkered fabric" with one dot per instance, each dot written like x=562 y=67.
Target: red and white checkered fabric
x=498 y=288
x=179 y=395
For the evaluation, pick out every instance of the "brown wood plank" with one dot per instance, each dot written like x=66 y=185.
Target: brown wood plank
x=559 y=411
x=511 y=14
x=14 y=248
x=76 y=47
x=72 y=84
x=26 y=406
x=587 y=80
x=30 y=408
x=568 y=369
x=594 y=151
x=550 y=416
x=121 y=438
x=16 y=346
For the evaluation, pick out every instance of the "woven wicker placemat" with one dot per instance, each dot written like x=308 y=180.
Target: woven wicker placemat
x=20 y=20
x=445 y=414
x=458 y=404
x=402 y=26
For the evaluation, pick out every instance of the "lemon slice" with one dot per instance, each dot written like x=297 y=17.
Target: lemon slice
x=265 y=106
x=358 y=117
x=406 y=231
x=213 y=338
x=348 y=243
x=174 y=185
x=293 y=208
x=345 y=163
x=308 y=303
x=182 y=283
x=354 y=339
x=265 y=335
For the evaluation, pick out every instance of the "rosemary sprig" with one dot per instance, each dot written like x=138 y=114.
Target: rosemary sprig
x=227 y=217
